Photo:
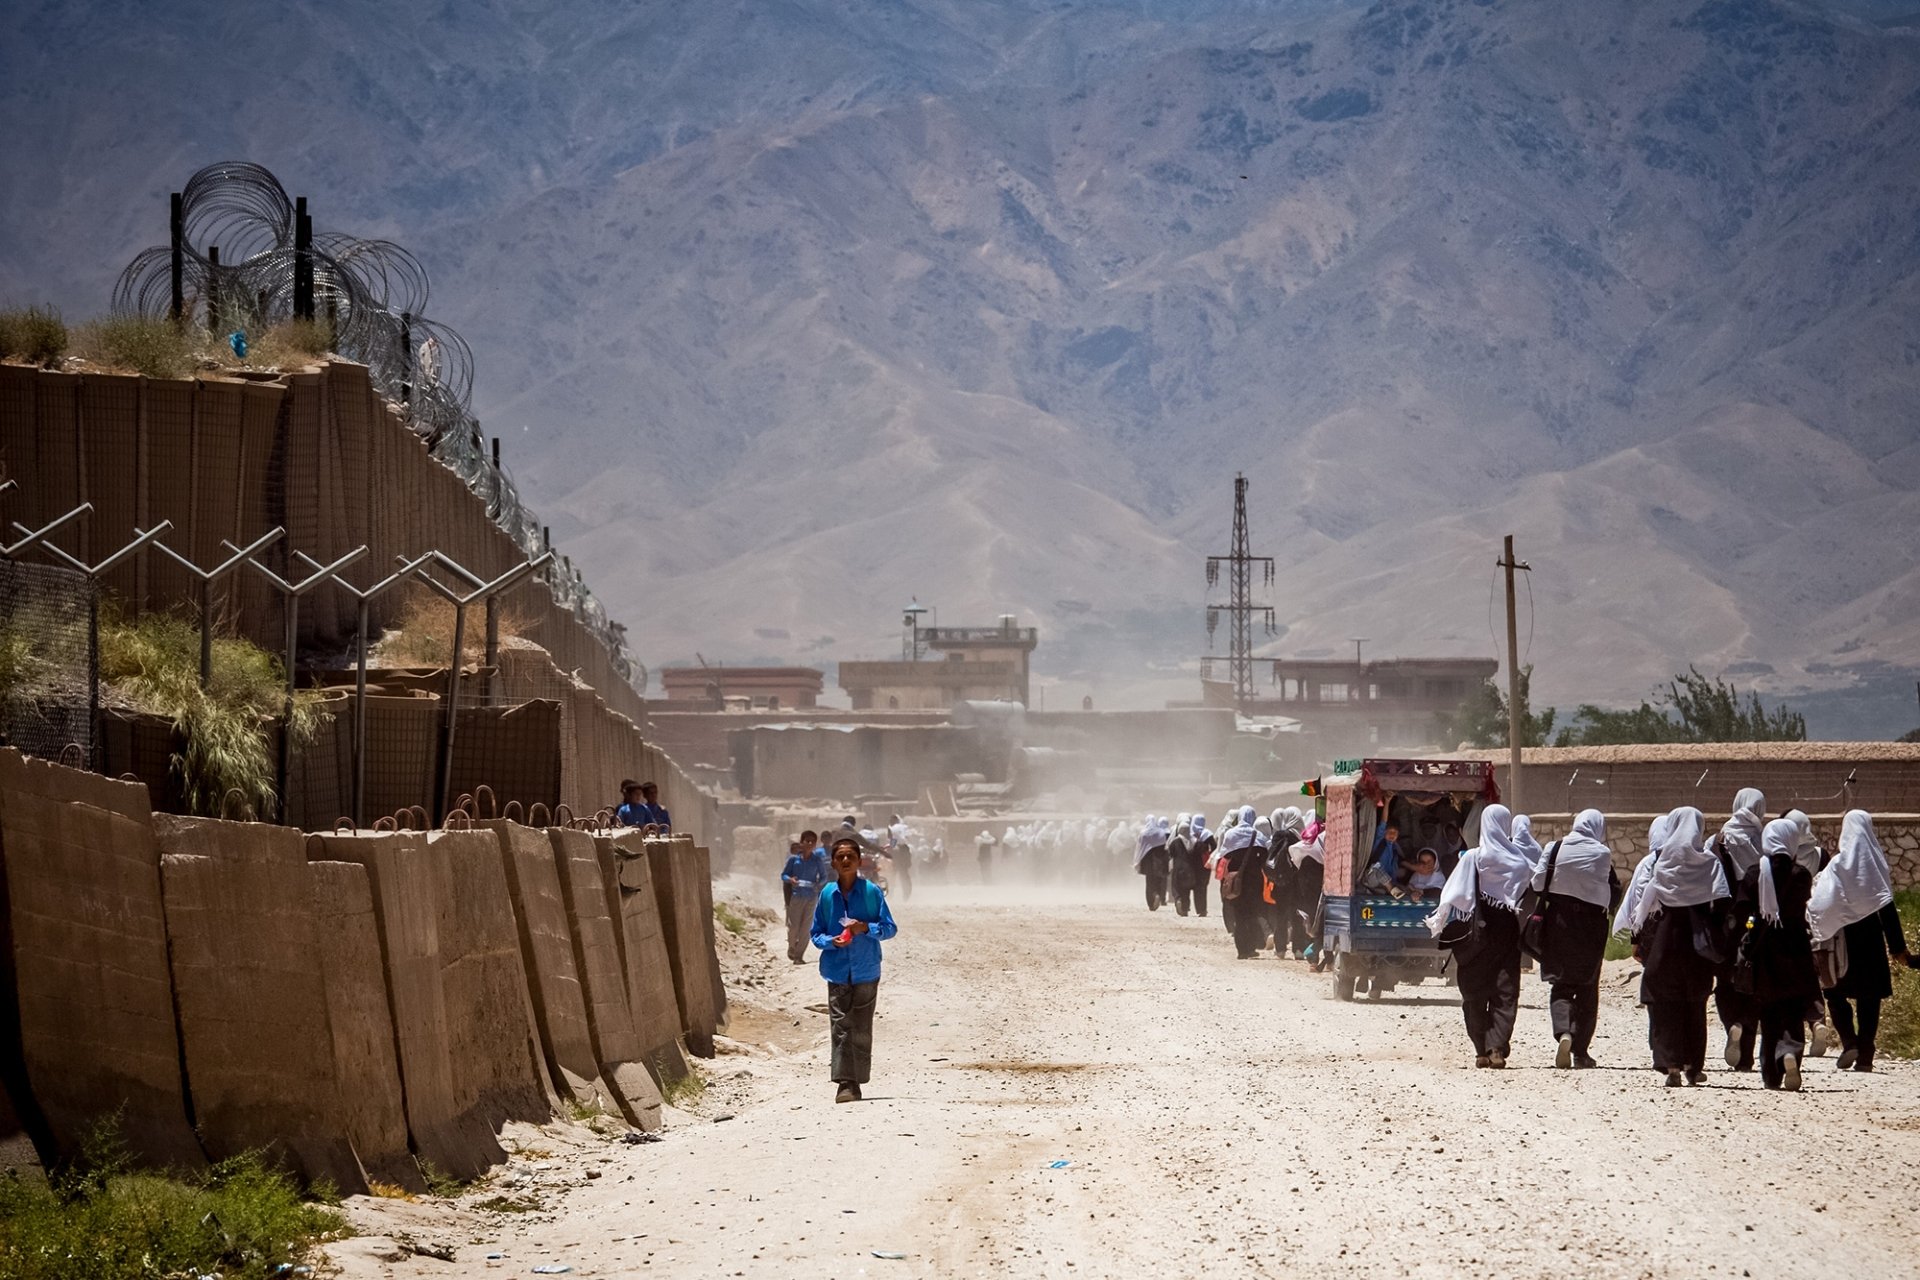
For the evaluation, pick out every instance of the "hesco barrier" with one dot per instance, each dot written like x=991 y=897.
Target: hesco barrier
x=319 y=453
x=362 y=1006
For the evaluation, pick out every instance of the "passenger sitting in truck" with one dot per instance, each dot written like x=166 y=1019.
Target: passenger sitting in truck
x=1424 y=880
x=1383 y=873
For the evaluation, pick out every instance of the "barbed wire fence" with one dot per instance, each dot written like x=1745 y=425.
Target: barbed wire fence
x=243 y=255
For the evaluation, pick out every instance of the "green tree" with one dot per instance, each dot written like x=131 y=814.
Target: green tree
x=1692 y=708
x=1481 y=720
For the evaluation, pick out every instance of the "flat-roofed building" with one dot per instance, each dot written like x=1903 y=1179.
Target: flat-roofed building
x=1389 y=702
x=764 y=688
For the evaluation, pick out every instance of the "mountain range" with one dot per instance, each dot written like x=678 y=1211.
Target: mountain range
x=791 y=311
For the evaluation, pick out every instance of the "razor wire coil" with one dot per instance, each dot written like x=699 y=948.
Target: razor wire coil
x=373 y=295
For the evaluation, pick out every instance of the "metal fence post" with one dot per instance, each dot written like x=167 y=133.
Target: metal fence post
x=361 y=598
x=479 y=588
x=205 y=578
x=292 y=592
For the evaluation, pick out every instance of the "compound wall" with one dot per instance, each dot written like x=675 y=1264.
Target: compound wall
x=364 y=1006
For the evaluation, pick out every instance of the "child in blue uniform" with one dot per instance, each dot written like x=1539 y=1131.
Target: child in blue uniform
x=850 y=922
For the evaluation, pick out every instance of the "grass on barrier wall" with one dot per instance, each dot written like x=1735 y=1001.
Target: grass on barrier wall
x=103 y=1221
x=153 y=663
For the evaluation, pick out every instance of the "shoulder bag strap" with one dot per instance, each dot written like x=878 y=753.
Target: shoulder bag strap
x=1553 y=859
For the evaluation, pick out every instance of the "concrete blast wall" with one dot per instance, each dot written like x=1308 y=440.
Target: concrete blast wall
x=597 y=957
x=360 y=1005
x=643 y=954
x=252 y=1005
x=683 y=887
x=86 y=942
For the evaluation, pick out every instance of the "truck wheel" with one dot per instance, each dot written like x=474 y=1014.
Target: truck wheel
x=1342 y=977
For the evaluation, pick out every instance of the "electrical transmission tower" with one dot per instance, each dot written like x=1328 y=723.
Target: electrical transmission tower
x=1240 y=607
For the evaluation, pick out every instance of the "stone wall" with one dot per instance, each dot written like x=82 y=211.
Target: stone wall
x=359 y=1005
x=1627 y=836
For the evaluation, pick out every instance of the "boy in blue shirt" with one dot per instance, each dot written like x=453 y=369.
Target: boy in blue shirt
x=850 y=922
x=800 y=882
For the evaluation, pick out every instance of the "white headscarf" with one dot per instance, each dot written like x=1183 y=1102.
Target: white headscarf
x=1740 y=835
x=1496 y=869
x=1775 y=840
x=1806 y=849
x=1685 y=874
x=1289 y=819
x=1637 y=887
x=1264 y=829
x=1583 y=868
x=1242 y=833
x=1152 y=836
x=1523 y=839
x=1855 y=884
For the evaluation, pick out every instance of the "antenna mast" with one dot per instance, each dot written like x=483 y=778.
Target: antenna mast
x=1240 y=607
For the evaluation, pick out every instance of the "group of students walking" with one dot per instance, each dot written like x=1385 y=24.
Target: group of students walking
x=1756 y=917
x=1268 y=872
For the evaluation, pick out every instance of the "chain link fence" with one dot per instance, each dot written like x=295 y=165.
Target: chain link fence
x=48 y=667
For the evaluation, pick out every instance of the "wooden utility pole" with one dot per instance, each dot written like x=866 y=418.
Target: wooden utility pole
x=1508 y=563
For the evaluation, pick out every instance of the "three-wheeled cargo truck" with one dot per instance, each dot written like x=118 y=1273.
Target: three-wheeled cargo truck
x=1374 y=928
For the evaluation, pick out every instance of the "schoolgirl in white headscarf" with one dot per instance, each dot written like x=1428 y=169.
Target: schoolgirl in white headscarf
x=1576 y=875
x=1523 y=838
x=1778 y=953
x=1740 y=835
x=1679 y=933
x=1851 y=913
x=1486 y=887
x=1623 y=919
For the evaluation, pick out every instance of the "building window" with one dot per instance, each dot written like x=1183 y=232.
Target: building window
x=893 y=704
x=773 y=702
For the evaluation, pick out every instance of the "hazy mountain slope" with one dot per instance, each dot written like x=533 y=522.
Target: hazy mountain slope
x=789 y=311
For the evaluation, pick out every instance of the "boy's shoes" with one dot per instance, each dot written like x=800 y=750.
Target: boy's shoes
x=1563 y=1056
x=1583 y=1061
x=1483 y=1061
x=1673 y=1078
x=1817 y=1045
x=848 y=1093
x=1790 y=1073
x=1697 y=1076
x=1846 y=1059
x=1732 y=1055
x=1497 y=1061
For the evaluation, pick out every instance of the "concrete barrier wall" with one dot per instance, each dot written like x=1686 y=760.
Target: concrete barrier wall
x=252 y=1005
x=546 y=945
x=682 y=887
x=596 y=954
x=643 y=949
x=408 y=876
x=87 y=939
x=366 y=1063
x=362 y=1005
x=499 y=1072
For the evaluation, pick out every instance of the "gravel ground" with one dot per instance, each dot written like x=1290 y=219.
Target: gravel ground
x=1214 y=1117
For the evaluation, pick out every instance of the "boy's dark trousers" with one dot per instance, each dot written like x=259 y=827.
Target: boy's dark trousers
x=850 y=1014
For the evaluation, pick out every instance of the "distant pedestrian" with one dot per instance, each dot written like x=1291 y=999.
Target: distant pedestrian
x=801 y=880
x=1680 y=934
x=1853 y=920
x=1579 y=886
x=1482 y=899
x=983 y=850
x=850 y=922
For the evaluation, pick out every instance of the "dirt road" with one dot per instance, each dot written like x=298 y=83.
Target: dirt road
x=1215 y=1117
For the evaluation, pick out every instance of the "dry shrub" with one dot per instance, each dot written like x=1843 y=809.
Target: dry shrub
x=34 y=334
x=424 y=636
x=292 y=344
x=136 y=344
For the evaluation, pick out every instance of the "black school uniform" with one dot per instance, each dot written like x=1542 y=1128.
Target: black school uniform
x=1867 y=981
x=1488 y=974
x=1675 y=984
x=1781 y=958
